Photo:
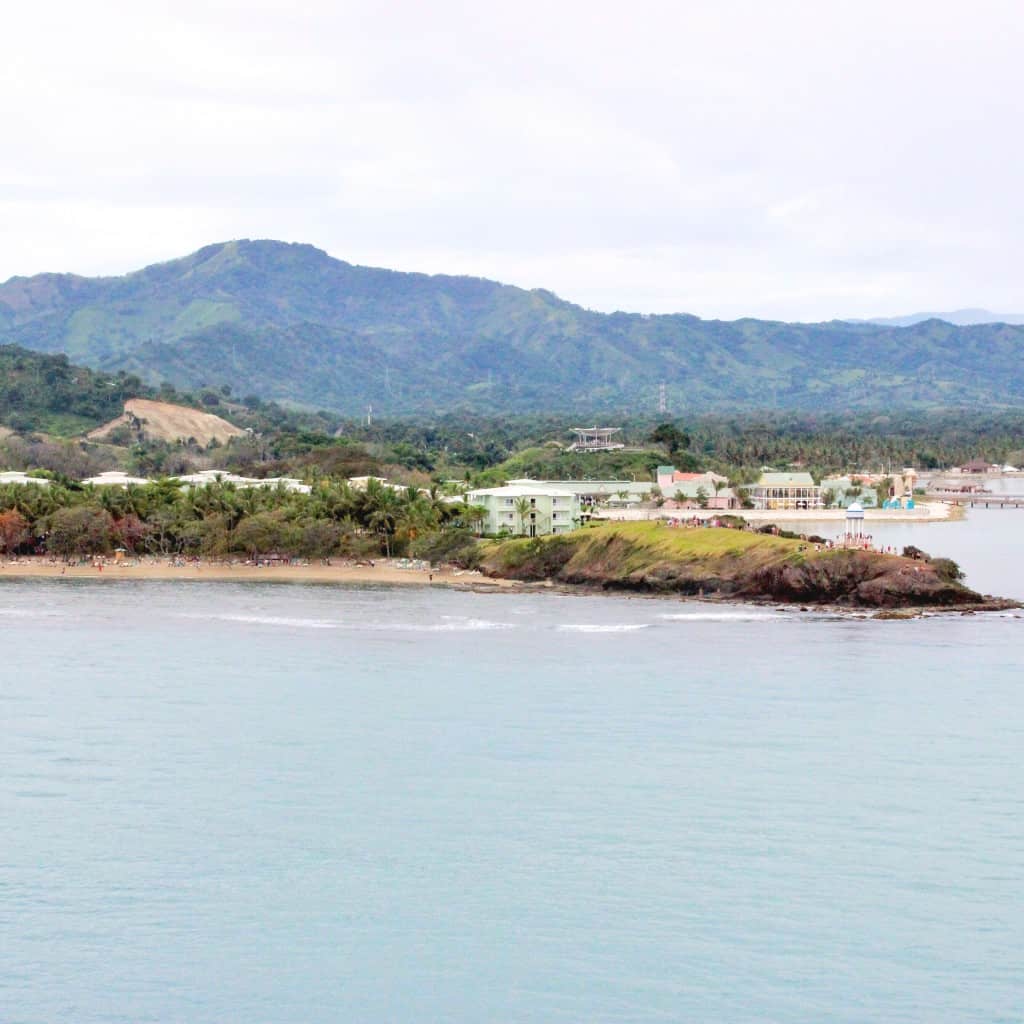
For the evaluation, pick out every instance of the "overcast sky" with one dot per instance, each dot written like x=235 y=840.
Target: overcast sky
x=795 y=160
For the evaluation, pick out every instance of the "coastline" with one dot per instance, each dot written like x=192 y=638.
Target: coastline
x=161 y=569
x=388 y=575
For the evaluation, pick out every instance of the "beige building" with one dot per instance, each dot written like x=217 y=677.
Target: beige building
x=700 y=494
x=786 y=491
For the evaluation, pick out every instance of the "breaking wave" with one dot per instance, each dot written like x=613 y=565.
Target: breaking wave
x=619 y=627
x=450 y=626
x=279 y=620
x=720 y=616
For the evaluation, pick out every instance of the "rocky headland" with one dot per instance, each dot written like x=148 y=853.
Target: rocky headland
x=733 y=564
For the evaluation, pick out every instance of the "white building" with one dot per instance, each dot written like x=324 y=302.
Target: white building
x=360 y=483
x=529 y=510
x=211 y=476
x=115 y=478
x=11 y=476
x=205 y=477
x=593 y=490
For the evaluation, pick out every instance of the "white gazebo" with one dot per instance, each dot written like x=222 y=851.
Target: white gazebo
x=595 y=439
x=855 y=522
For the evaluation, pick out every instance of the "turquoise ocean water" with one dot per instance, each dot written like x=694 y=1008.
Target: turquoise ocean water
x=284 y=803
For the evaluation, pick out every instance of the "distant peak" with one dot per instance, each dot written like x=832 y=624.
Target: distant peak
x=957 y=317
x=259 y=245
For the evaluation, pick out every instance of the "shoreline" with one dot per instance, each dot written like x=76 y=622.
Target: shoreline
x=37 y=567
x=471 y=582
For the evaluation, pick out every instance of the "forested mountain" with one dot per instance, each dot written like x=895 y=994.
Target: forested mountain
x=288 y=322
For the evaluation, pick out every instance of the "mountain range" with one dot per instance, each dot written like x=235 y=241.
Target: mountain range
x=288 y=322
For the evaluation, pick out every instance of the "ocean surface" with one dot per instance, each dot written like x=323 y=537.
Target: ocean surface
x=296 y=804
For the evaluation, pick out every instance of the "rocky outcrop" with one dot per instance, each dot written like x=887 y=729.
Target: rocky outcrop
x=649 y=558
x=861 y=579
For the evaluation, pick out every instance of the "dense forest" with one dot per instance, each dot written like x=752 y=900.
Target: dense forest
x=736 y=446
x=482 y=450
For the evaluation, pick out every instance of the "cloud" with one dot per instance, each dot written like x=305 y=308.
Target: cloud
x=791 y=160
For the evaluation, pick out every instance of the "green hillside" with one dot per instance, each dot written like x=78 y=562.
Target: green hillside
x=290 y=323
x=48 y=393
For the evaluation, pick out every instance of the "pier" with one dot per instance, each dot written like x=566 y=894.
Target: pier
x=979 y=500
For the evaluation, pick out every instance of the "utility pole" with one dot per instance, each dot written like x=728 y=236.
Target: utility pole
x=662 y=399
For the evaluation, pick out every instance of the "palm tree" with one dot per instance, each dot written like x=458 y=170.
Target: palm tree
x=413 y=519
x=443 y=510
x=523 y=508
x=111 y=499
x=382 y=521
x=475 y=516
x=380 y=512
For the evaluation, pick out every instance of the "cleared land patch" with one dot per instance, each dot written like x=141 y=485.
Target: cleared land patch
x=162 y=421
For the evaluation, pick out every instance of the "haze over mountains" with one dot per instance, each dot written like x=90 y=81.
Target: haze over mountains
x=961 y=317
x=289 y=322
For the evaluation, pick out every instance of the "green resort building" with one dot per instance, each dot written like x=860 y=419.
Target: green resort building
x=843 y=491
x=527 y=510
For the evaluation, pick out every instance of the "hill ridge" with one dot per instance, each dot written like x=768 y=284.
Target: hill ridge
x=287 y=321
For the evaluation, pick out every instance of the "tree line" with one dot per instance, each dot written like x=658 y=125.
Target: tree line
x=222 y=519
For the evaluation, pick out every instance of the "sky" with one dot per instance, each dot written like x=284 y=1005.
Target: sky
x=799 y=161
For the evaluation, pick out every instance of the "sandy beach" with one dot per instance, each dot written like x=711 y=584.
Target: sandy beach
x=340 y=572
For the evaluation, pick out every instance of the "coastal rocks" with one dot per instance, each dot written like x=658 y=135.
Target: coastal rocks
x=860 y=578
